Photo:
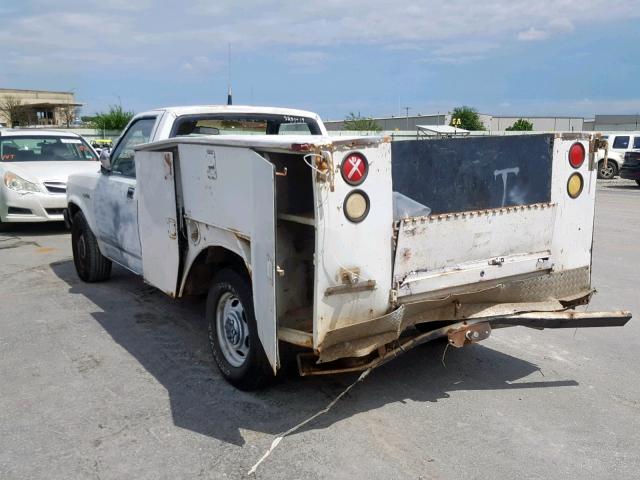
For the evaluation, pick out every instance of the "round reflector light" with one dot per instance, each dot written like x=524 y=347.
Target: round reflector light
x=354 y=168
x=356 y=206
x=576 y=155
x=575 y=185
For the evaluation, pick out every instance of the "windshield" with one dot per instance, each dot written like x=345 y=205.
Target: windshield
x=244 y=124
x=43 y=149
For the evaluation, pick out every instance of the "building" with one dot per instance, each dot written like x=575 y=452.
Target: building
x=491 y=122
x=37 y=108
x=540 y=124
x=616 y=123
x=392 y=123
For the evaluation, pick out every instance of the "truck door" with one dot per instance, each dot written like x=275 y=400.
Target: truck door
x=157 y=220
x=115 y=202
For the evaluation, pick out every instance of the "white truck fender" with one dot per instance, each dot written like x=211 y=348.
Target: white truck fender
x=203 y=237
x=80 y=197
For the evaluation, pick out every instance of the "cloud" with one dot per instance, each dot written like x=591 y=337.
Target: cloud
x=532 y=35
x=561 y=25
x=165 y=36
x=307 y=59
x=461 y=52
x=328 y=22
x=558 y=25
x=162 y=30
x=201 y=64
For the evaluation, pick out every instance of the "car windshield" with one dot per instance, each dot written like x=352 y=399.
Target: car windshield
x=244 y=124
x=44 y=148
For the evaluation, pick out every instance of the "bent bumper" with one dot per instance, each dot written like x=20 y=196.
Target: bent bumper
x=459 y=334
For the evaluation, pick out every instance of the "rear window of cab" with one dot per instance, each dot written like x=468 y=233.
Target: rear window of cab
x=244 y=124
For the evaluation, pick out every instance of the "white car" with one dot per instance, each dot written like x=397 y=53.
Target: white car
x=619 y=145
x=34 y=167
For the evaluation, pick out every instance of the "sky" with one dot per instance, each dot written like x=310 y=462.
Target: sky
x=511 y=57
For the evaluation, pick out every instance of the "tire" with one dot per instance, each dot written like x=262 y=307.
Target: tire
x=90 y=264
x=233 y=332
x=608 y=173
x=638 y=182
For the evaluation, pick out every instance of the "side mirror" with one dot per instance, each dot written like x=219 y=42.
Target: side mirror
x=105 y=160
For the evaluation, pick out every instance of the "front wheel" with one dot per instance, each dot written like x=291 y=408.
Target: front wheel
x=233 y=332
x=90 y=264
x=608 y=172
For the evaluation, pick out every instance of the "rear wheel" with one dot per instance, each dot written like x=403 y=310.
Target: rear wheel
x=638 y=182
x=608 y=172
x=90 y=264
x=233 y=333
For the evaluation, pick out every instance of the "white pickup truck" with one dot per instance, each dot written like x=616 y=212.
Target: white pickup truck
x=353 y=249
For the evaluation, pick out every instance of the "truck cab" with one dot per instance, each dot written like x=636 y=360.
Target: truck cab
x=108 y=199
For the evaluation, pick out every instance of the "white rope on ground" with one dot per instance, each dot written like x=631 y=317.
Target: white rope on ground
x=278 y=439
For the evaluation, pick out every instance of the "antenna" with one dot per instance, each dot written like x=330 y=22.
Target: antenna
x=229 y=96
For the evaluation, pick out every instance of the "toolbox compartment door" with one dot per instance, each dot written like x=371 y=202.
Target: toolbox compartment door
x=263 y=255
x=157 y=220
x=233 y=188
x=491 y=214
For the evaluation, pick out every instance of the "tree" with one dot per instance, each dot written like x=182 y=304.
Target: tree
x=12 y=109
x=114 y=119
x=68 y=113
x=360 y=124
x=521 y=125
x=467 y=118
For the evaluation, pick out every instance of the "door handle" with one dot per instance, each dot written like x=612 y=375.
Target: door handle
x=130 y=191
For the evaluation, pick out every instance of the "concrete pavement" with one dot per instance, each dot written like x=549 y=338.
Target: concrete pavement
x=115 y=380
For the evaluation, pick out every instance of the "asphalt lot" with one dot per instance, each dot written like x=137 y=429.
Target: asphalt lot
x=115 y=381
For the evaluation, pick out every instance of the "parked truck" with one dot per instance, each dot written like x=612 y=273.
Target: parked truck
x=351 y=249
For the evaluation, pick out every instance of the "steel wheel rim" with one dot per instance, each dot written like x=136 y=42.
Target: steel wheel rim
x=232 y=329
x=607 y=171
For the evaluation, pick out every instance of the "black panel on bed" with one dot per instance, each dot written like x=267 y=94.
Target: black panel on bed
x=461 y=174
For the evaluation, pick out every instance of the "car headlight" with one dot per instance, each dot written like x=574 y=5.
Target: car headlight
x=19 y=184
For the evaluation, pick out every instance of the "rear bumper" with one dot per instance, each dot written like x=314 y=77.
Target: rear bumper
x=536 y=292
x=461 y=333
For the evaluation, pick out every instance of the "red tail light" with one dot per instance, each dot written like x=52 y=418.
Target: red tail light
x=354 y=168
x=576 y=155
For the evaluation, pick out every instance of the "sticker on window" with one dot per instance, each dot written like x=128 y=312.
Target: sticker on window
x=290 y=119
x=70 y=140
